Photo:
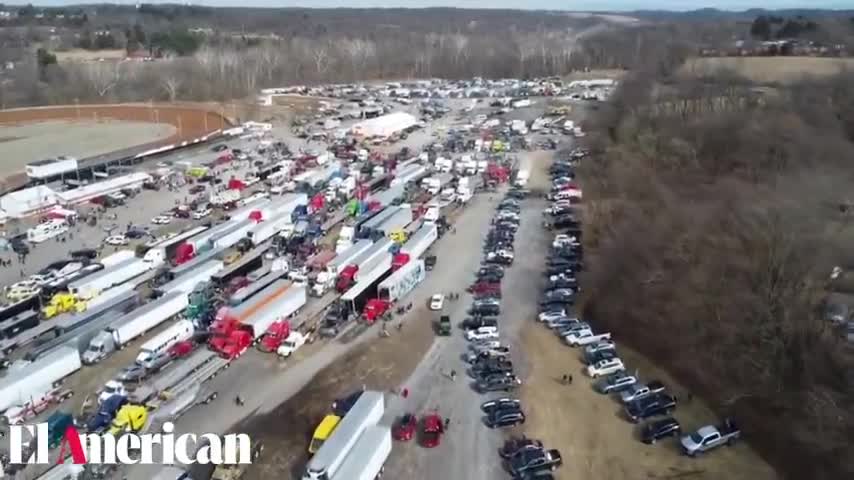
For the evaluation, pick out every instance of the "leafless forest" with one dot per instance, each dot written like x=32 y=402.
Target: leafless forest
x=717 y=213
x=243 y=50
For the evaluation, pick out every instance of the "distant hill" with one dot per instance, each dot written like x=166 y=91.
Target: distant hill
x=717 y=14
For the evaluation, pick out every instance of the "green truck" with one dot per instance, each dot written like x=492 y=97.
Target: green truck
x=444 y=325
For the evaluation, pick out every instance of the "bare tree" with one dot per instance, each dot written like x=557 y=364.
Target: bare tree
x=102 y=76
x=171 y=83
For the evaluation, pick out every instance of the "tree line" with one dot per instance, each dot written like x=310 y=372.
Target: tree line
x=720 y=227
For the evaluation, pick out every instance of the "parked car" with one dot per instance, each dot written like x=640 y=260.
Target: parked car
x=530 y=461
x=116 y=240
x=500 y=352
x=601 y=345
x=474 y=323
x=500 y=403
x=605 y=367
x=161 y=220
x=658 y=429
x=437 y=301
x=650 y=406
x=495 y=384
x=553 y=315
x=515 y=445
x=482 y=333
x=505 y=418
x=132 y=373
x=202 y=213
x=405 y=428
x=710 y=437
x=585 y=337
x=432 y=428
x=640 y=390
x=616 y=382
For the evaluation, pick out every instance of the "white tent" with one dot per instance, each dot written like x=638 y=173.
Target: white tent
x=385 y=125
x=88 y=192
x=29 y=201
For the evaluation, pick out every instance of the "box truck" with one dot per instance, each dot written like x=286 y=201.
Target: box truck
x=133 y=325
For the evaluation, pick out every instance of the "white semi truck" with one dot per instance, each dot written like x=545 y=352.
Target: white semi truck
x=133 y=325
x=366 y=461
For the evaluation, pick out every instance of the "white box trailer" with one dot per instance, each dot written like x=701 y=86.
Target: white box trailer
x=274 y=303
x=410 y=174
x=345 y=258
x=386 y=197
x=327 y=462
x=92 y=285
x=268 y=228
x=403 y=281
x=367 y=458
x=187 y=282
x=370 y=256
x=421 y=240
x=401 y=218
x=33 y=380
x=373 y=222
x=134 y=324
x=233 y=235
x=178 y=332
x=287 y=204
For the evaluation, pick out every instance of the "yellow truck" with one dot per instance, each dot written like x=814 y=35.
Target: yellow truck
x=197 y=172
x=63 y=303
x=322 y=432
x=129 y=418
x=397 y=236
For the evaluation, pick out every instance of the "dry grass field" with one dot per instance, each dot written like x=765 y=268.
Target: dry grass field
x=81 y=55
x=768 y=69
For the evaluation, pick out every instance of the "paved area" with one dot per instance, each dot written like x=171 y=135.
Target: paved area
x=267 y=382
x=27 y=143
x=469 y=449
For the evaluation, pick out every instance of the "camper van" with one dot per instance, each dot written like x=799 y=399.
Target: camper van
x=46 y=231
x=158 y=345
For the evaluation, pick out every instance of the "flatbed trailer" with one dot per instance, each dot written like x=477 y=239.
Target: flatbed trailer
x=181 y=371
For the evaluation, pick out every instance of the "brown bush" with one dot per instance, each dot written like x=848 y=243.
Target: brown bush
x=716 y=227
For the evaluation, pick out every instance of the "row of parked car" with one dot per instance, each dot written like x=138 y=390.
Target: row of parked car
x=489 y=362
x=641 y=401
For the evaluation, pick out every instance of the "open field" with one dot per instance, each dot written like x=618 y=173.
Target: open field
x=82 y=55
x=768 y=69
x=26 y=143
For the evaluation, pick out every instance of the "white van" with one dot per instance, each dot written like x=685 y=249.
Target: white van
x=180 y=331
x=46 y=231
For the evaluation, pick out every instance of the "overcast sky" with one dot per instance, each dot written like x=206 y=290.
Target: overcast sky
x=578 y=5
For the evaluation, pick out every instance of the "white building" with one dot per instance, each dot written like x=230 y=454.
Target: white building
x=30 y=201
x=384 y=125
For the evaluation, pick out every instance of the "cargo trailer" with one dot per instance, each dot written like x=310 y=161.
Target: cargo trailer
x=250 y=261
x=331 y=456
x=32 y=381
x=188 y=281
x=253 y=288
x=345 y=258
x=366 y=287
x=92 y=285
x=134 y=324
x=402 y=281
x=367 y=459
x=401 y=218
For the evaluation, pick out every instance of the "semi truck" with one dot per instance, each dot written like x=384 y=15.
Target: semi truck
x=409 y=174
x=345 y=258
x=331 y=456
x=397 y=221
x=134 y=324
x=366 y=461
x=178 y=332
x=268 y=228
x=366 y=287
x=367 y=228
x=236 y=328
x=417 y=244
x=255 y=286
x=188 y=281
x=29 y=382
x=350 y=274
x=70 y=329
x=395 y=286
x=92 y=285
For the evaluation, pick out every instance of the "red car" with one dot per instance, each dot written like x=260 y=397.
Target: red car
x=405 y=429
x=432 y=428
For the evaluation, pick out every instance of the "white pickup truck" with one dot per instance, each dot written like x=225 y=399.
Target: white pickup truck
x=585 y=337
x=294 y=341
